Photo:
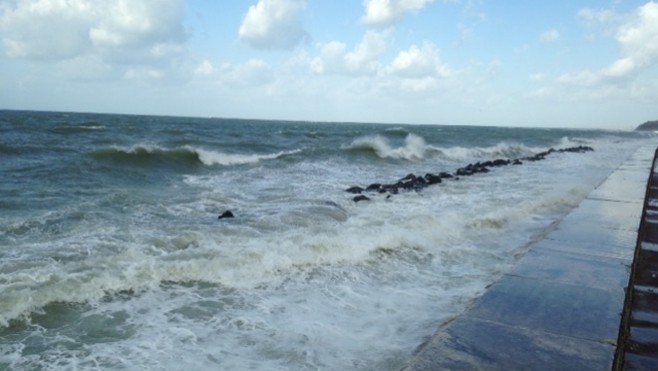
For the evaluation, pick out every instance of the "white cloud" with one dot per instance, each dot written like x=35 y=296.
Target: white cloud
x=363 y=60
x=419 y=62
x=388 y=12
x=127 y=23
x=419 y=69
x=274 y=24
x=549 y=36
x=639 y=39
x=638 y=44
x=135 y=31
x=45 y=30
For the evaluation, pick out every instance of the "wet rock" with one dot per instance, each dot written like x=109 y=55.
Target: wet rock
x=463 y=172
x=226 y=214
x=373 y=187
x=432 y=178
x=355 y=190
x=413 y=182
x=409 y=177
x=391 y=188
x=500 y=162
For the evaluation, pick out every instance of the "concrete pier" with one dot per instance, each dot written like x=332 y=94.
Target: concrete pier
x=560 y=307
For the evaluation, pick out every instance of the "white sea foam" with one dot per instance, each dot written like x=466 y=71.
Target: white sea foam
x=302 y=278
x=414 y=148
x=219 y=158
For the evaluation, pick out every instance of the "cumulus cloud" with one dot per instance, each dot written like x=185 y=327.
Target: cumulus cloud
x=419 y=62
x=363 y=59
x=416 y=69
x=61 y=30
x=638 y=43
x=45 y=30
x=639 y=39
x=549 y=36
x=388 y=12
x=419 y=68
x=274 y=24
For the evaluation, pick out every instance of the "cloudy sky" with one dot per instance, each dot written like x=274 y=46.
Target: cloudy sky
x=540 y=63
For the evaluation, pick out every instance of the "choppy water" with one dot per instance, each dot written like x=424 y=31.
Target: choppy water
x=112 y=256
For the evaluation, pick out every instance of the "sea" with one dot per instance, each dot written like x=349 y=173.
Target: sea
x=113 y=255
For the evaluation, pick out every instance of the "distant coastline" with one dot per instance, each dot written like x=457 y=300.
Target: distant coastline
x=649 y=125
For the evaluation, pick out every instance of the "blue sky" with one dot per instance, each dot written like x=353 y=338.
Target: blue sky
x=590 y=64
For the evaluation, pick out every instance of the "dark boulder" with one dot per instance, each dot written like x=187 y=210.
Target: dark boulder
x=578 y=149
x=432 y=179
x=374 y=187
x=226 y=214
x=391 y=188
x=463 y=171
x=500 y=162
x=355 y=190
x=417 y=183
x=412 y=182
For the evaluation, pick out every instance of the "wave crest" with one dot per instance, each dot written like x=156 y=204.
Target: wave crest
x=414 y=147
x=500 y=150
x=146 y=154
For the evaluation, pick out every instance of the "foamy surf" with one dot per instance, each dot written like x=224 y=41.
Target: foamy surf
x=414 y=147
x=112 y=255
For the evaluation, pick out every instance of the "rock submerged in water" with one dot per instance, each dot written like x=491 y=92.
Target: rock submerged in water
x=416 y=183
x=226 y=214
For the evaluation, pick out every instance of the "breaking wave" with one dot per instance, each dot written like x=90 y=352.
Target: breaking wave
x=500 y=150
x=186 y=155
x=414 y=148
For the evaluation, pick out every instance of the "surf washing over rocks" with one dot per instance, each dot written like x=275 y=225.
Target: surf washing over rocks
x=112 y=255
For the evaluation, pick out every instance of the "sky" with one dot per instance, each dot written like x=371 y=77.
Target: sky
x=541 y=63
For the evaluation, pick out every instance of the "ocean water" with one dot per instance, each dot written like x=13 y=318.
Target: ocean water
x=112 y=255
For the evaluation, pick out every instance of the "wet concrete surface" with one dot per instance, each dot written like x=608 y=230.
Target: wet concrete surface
x=560 y=307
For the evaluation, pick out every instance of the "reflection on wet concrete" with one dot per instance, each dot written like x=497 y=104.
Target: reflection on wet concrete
x=560 y=307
